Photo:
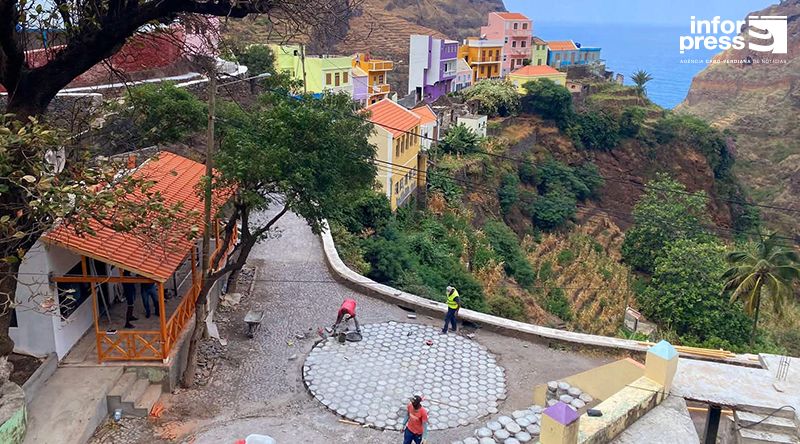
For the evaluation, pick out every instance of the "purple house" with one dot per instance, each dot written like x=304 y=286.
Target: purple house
x=432 y=67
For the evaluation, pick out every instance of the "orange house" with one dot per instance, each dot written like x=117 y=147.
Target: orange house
x=377 y=72
x=485 y=57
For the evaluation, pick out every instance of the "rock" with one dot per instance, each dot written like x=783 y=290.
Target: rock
x=293 y=357
x=587 y=398
x=551 y=402
x=523 y=422
x=412 y=316
x=487 y=441
x=563 y=385
x=574 y=392
x=504 y=420
x=523 y=436
x=470 y=440
x=578 y=404
x=511 y=441
x=533 y=429
x=534 y=419
x=566 y=399
x=513 y=427
x=552 y=386
x=502 y=434
x=536 y=409
x=494 y=426
x=484 y=432
x=518 y=414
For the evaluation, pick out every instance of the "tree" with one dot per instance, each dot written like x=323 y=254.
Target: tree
x=631 y=121
x=664 y=214
x=554 y=208
x=640 y=79
x=93 y=31
x=508 y=193
x=258 y=59
x=685 y=294
x=460 y=140
x=304 y=155
x=549 y=99
x=494 y=97
x=766 y=269
x=164 y=113
x=595 y=130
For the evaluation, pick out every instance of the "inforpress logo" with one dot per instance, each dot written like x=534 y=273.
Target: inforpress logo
x=764 y=34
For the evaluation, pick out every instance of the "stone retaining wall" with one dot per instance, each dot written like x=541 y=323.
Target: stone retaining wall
x=355 y=281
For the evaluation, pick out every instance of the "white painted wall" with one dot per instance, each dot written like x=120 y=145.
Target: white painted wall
x=436 y=58
x=426 y=133
x=417 y=61
x=476 y=123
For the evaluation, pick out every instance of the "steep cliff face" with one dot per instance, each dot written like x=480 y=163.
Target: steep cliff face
x=760 y=105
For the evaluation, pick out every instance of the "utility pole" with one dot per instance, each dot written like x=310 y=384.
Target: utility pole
x=303 y=63
x=212 y=102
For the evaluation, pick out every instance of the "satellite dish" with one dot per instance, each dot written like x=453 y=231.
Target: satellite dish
x=57 y=159
x=577 y=45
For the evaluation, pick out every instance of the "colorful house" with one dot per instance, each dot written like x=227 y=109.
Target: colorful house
x=463 y=77
x=428 y=125
x=484 y=56
x=515 y=30
x=319 y=74
x=538 y=51
x=530 y=73
x=566 y=53
x=397 y=142
x=377 y=75
x=432 y=66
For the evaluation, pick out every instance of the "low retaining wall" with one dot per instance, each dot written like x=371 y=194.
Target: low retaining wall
x=13 y=417
x=39 y=377
x=350 y=278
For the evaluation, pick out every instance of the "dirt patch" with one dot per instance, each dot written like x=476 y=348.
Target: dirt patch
x=24 y=366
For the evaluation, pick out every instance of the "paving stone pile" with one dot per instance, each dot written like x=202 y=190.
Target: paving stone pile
x=523 y=426
x=372 y=381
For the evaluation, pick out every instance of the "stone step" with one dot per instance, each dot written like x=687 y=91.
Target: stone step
x=145 y=403
x=123 y=385
x=770 y=424
x=136 y=391
x=783 y=413
x=749 y=436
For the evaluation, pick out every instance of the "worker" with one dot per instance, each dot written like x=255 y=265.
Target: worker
x=346 y=312
x=129 y=290
x=415 y=425
x=453 y=305
x=149 y=294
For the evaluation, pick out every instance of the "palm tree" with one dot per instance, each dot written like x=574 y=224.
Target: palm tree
x=767 y=269
x=640 y=78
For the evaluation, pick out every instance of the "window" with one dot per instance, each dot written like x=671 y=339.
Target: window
x=483 y=69
x=397 y=148
x=344 y=77
x=524 y=26
x=558 y=57
x=516 y=25
x=72 y=295
x=338 y=79
x=328 y=79
x=483 y=54
x=539 y=61
x=514 y=44
x=397 y=188
x=523 y=43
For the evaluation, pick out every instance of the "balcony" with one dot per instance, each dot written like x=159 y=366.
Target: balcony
x=519 y=32
x=379 y=65
x=381 y=88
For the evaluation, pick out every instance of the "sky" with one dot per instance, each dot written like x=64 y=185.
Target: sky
x=642 y=12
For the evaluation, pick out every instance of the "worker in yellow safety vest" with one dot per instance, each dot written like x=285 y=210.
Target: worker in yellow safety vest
x=453 y=304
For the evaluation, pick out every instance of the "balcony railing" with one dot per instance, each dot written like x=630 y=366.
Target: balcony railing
x=381 y=88
x=380 y=65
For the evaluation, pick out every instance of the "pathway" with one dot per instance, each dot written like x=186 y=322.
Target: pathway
x=257 y=387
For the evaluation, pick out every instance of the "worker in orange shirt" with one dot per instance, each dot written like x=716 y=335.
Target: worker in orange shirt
x=415 y=426
x=346 y=312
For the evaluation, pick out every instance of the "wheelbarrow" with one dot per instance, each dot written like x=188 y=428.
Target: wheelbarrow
x=253 y=320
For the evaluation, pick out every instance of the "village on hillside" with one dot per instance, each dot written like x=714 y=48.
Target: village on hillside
x=208 y=240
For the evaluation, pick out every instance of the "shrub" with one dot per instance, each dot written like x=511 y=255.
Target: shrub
x=371 y=210
x=388 y=260
x=494 y=97
x=258 y=59
x=506 y=244
x=545 y=271
x=556 y=302
x=589 y=176
x=349 y=247
x=508 y=193
x=527 y=173
x=548 y=99
x=554 y=208
x=446 y=185
x=595 y=130
x=164 y=113
x=460 y=140
x=631 y=121
x=565 y=257
x=506 y=307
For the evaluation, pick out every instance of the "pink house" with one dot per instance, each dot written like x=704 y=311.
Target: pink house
x=516 y=31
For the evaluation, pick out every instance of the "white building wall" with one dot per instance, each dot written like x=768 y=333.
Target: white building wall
x=426 y=133
x=436 y=58
x=417 y=61
x=36 y=332
x=476 y=123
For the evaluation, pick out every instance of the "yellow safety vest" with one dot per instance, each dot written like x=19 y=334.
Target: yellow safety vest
x=451 y=299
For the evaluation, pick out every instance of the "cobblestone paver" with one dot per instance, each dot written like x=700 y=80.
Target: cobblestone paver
x=371 y=381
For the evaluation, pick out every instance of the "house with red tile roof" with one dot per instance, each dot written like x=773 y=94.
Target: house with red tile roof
x=515 y=30
x=72 y=285
x=401 y=167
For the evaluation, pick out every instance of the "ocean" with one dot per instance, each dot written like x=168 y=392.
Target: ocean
x=628 y=48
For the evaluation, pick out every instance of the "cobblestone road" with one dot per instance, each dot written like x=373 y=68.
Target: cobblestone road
x=257 y=387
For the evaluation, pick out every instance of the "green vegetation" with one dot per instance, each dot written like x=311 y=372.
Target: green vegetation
x=595 y=130
x=556 y=302
x=508 y=193
x=164 y=113
x=460 y=140
x=640 y=79
x=494 y=97
x=548 y=99
x=258 y=59
x=766 y=269
x=506 y=245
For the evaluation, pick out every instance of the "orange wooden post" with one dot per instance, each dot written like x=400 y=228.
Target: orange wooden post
x=95 y=313
x=163 y=319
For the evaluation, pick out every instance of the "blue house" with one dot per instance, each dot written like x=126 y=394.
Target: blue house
x=564 y=53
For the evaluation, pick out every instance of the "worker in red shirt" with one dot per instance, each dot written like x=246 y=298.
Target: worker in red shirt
x=346 y=312
x=415 y=426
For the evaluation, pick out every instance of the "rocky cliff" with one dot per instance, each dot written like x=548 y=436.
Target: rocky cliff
x=760 y=104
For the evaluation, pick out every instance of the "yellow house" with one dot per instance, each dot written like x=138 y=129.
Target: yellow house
x=485 y=57
x=530 y=73
x=377 y=72
x=398 y=159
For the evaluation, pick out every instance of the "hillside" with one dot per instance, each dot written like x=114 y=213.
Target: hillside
x=760 y=105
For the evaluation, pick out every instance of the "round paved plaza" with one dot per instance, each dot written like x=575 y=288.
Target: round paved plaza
x=371 y=381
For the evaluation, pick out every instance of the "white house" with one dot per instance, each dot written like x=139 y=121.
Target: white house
x=475 y=122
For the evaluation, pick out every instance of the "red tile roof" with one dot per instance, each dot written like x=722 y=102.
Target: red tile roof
x=539 y=70
x=177 y=179
x=393 y=117
x=561 y=45
x=425 y=113
x=512 y=15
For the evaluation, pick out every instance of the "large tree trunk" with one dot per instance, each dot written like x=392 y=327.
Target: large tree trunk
x=8 y=287
x=187 y=379
x=755 y=318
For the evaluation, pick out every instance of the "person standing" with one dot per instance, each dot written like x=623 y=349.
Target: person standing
x=415 y=426
x=129 y=290
x=453 y=305
x=149 y=294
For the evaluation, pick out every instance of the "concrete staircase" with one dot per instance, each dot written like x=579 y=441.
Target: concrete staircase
x=135 y=395
x=758 y=428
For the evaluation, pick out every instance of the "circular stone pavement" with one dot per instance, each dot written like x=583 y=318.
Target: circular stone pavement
x=371 y=381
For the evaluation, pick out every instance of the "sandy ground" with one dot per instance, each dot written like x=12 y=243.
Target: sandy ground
x=257 y=387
